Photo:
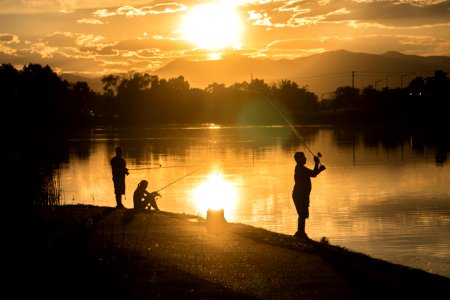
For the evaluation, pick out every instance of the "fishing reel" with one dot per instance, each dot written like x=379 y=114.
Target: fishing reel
x=319 y=155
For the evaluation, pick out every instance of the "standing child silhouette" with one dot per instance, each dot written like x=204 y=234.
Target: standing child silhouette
x=119 y=170
x=302 y=189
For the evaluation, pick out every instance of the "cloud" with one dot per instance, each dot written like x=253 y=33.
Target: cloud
x=92 y=21
x=304 y=12
x=259 y=18
x=62 y=39
x=296 y=21
x=401 y=13
x=131 y=11
x=7 y=50
x=60 y=49
x=46 y=6
x=6 y=38
x=408 y=44
x=6 y=43
x=356 y=24
x=41 y=49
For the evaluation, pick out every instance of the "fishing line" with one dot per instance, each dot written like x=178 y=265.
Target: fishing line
x=291 y=127
x=177 y=180
x=160 y=167
x=146 y=168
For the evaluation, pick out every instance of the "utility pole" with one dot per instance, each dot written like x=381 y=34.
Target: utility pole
x=376 y=82
x=353 y=79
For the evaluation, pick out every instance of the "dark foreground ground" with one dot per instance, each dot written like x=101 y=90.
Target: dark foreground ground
x=85 y=252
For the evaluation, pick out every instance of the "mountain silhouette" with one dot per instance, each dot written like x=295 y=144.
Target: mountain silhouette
x=95 y=83
x=320 y=73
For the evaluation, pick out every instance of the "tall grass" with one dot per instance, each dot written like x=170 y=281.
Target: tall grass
x=48 y=188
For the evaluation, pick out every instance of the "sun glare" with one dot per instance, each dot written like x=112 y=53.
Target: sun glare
x=213 y=26
x=215 y=193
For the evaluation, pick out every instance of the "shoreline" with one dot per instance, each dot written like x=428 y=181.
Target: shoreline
x=112 y=253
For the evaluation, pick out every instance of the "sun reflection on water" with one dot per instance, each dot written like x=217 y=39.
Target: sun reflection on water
x=215 y=193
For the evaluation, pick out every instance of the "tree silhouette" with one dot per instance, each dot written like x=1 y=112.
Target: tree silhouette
x=110 y=84
x=294 y=98
x=346 y=97
x=37 y=96
x=41 y=91
x=9 y=89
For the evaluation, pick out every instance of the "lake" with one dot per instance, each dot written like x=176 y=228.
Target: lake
x=385 y=192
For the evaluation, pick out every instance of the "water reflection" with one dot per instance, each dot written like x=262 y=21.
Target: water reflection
x=381 y=194
x=215 y=193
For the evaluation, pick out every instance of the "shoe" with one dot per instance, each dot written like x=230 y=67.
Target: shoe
x=301 y=235
x=120 y=206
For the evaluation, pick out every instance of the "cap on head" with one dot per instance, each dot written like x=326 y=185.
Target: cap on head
x=143 y=182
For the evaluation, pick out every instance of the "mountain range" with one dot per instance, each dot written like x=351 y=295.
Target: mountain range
x=319 y=73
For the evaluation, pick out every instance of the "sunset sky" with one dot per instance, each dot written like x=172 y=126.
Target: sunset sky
x=97 y=37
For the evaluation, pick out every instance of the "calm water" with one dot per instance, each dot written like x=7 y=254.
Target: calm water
x=386 y=195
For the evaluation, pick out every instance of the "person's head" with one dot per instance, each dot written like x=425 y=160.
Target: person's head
x=118 y=151
x=143 y=184
x=300 y=157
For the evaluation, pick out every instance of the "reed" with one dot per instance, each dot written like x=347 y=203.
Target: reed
x=48 y=188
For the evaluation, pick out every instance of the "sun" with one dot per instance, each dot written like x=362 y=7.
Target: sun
x=213 y=26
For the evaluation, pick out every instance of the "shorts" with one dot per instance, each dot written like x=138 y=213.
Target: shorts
x=119 y=187
x=301 y=205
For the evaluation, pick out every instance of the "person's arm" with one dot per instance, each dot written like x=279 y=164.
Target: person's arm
x=317 y=167
x=125 y=169
x=155 y=194
x=152 y=194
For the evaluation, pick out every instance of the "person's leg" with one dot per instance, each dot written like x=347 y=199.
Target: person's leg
x=301 y=228
x=299 y=207
x=119 y=200
x=301 y=225
x=303 y=214
x=153 y=203
x=150 y=202
x=146 y=203
x=119 y=190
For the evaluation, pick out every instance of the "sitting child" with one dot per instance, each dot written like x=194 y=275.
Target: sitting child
x=142 y=199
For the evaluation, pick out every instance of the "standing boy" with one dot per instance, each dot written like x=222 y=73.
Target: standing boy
x=302 y=189
x=119 y=170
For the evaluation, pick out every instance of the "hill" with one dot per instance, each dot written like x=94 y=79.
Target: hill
x=321 y=73
x=95 y=83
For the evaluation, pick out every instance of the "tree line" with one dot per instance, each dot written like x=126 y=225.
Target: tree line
x=37 y=96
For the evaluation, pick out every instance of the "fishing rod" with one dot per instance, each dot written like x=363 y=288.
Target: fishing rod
x=160 y=167
x=177 y=180
x=147 y=168
x=291 y=127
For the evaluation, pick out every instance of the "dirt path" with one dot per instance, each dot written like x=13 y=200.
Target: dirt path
x=105 y=253
x=264 y=264
x=242 y=264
